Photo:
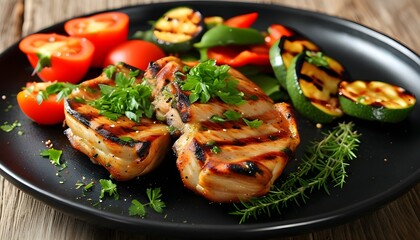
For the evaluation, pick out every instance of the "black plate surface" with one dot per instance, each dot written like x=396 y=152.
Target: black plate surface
x=387 y=166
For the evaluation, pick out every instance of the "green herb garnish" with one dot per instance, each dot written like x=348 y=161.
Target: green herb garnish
x=61 y=89
x=317 y=59
x=126 y=98
x=6 y=127
x=53 y=155
x=324 y=162
x=207 y=80
x=256 y=123
x=155 y=202
x=108 y=187
x=215 y=149
x=229 y=115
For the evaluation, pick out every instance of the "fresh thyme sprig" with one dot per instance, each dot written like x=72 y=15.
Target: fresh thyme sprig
x=325 y=161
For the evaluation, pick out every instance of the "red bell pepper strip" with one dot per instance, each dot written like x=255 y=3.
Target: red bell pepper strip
x=238 y=56
x=242 y=21
x=276 y=31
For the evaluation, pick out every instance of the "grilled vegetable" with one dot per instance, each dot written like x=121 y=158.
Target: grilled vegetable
x=222 y=35
x=233 y=46
x=284 y=50
x=242 y=21
x=375 y=100
x=312 y=84
x=277 y=31
x=178 y=29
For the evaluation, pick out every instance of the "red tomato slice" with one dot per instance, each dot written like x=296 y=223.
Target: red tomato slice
x=137 y=53
x=58 y=58
x=49 y=112
x=104 y=30
x=242 y=21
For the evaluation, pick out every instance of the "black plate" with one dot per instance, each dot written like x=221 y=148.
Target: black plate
x=387 y=166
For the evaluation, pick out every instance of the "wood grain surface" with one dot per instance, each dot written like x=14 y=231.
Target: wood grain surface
x=23 y=217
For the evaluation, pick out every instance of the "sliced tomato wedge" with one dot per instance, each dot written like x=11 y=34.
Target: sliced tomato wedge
x=104 y=30
x=48 y=112
x=58 y=58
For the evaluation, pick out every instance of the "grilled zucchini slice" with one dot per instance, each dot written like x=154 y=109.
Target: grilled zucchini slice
x=375 y=100
x=312 y=84
x=178 y=29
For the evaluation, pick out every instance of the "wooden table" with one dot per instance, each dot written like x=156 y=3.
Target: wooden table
x=23 y=217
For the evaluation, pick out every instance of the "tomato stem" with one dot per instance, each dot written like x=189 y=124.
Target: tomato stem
x=44 y=60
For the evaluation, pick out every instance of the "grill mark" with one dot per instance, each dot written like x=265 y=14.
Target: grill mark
x=199 y=151
x=142 y=149
x=224 y=125
x=252 y=140
x=183 y=106
x=70 y=106
x=152 y=69
x=247 y=168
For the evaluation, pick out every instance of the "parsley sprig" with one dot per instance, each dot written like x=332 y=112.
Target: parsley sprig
x=324 y=162
x=108 y=187
x=154 y=195
x=127 y=98
x=231 y=115
x=207 y=80
x=53 y=155
x=60 y=88
x=317 y=58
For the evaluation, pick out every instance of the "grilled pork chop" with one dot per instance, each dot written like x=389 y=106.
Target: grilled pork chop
x=228 y=161
x=127 y=149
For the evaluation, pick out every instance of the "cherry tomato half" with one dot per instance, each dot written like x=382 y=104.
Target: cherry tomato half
x=58 y=58
x=137 y=53
x=104 y=30
x=49 y=112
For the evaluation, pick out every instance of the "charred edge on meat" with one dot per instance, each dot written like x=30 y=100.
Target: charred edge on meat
x=199 y=151
x=154 y=68
x=183 y=106
x=247 y=168
x=69 y=105
x=142 y=149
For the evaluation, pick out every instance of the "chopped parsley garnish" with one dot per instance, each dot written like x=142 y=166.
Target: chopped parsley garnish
x=61 y=89
x=108 y=187
x=155 y=202
x=207 y=80
x=215 y=149
x=317 y=59
x=53 y=155
x=229 y=115
x=9 y=127
x=126 y=98
x=256 y=123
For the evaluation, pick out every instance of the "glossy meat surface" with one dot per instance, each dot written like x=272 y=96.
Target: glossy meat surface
x=248 y=160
